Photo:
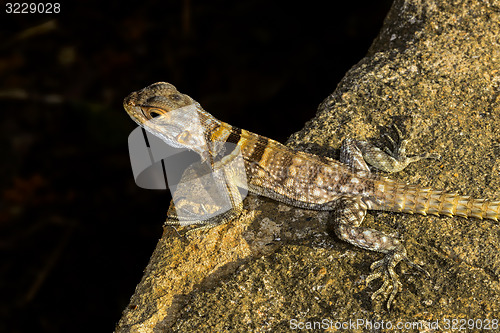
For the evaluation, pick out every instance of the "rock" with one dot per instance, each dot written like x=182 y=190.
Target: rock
x=434 y=70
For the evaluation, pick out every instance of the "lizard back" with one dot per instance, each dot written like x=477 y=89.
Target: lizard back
x=279 y=172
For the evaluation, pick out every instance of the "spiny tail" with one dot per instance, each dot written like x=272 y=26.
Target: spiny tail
x=411 y=199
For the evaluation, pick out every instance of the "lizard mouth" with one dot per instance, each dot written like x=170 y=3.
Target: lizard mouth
x=135 y=111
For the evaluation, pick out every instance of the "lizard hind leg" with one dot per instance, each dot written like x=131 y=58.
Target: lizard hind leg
x=390 y=160
x=351 y=155
x=349 y=214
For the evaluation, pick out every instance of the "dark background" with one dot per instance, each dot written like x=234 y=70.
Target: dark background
x=75 y=231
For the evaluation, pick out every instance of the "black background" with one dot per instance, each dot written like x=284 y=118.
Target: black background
x=75 y=231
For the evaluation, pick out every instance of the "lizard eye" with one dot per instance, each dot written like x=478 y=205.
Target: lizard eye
x=151 y=113
x=154 y=114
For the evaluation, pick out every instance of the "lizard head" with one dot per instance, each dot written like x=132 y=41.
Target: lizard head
x=166 y=113
x=154 y=101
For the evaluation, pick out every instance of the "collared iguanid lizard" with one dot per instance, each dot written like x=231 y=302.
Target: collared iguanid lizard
x=345 y=187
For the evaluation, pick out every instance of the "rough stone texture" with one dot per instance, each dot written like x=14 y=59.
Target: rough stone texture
x=435 y=71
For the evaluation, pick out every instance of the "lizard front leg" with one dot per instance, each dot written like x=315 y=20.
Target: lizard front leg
x=206 y=199
x=349 y=213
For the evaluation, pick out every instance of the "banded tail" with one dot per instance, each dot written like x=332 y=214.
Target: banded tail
x=398 y=197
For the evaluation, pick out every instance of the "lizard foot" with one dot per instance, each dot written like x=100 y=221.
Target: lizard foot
x=398 y=150
x=384 y=269
x=199 y=225
x=392 y=159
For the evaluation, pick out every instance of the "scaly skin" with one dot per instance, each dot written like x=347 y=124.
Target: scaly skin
x=346 y=187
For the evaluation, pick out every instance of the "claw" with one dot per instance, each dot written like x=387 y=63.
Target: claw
x=398 y=144
x=417 y=267
x=434 y=156
x=398 y=131
x=389 y=152
x=384 y=269
x=391 y=141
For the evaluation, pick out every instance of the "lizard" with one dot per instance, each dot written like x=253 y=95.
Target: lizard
x=346 y=187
